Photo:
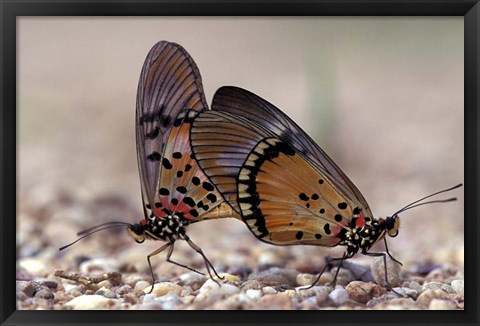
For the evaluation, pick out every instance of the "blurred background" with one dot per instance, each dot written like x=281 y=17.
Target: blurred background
x=382 y=96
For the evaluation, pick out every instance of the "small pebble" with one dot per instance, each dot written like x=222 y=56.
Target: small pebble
x=233 y=302
x=141 y=285
x=212 y=288
x=325 y=279
x=149 y=297
x=90 y=302
x=21 y=296
x=130 y=298
x=48 y=283
x=437 y=286
x=426 y=297
x=339 y=296
x=105 y=284
x=192 y=279
x=160 y=289
x=415 y=286
x=169 y=301
x=124 y=289
x=279 y=301
x=251 y=284
x=228 y=277
x=44 y=294
x=269 y=290
x=406 y=292
x=26 y=287
x=363 y=292
x=77 y=290
x=33 y=266
x=305 y=279
x=439 y=304
x=378 y=271
x=458 y=286
x=132 y=279
x=107 y=293
x=253 y=294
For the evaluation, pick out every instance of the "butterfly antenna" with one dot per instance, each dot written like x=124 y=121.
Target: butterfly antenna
x=415 y=203
x=95 y=229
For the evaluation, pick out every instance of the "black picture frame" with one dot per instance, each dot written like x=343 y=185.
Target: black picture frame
x=10 y=10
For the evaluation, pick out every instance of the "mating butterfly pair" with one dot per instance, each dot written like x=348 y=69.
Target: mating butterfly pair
x=244 y=159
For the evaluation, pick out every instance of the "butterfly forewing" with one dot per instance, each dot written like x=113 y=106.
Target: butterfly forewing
x=169 y=83
x=254 y=108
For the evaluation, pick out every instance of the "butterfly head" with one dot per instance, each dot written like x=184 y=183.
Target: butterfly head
x=137 y=231
x=390 y=224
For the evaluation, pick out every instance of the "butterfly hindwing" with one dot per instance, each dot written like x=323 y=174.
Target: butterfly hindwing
x=285 y=200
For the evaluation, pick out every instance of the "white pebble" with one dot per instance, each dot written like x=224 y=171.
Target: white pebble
x=339 y=296
x=148 y=298
x=213 y=288
x=160 y=289
x=169 y=301
x=141 y=285
x=190 y=278
x=33 y=266
x=458 y=286
x=90 y=302
x=253 y=294
x=438 y=304
x=269 y=290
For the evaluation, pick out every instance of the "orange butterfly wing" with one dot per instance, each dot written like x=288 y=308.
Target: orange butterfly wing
x=282 y=195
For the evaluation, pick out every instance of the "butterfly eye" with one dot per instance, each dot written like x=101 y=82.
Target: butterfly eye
x=137 y=232
x=392 y=225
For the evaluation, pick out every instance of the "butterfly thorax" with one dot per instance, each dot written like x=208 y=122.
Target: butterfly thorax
x=362 y=234
x=168 y=228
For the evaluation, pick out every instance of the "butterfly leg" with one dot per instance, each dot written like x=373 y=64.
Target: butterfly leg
x=169 y=254
x=208 y=264
x=157 y=251
x=388 y=252
x=329 y=264
x=384 y=255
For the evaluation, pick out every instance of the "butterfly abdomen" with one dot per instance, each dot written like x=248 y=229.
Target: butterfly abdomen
x=362 y=234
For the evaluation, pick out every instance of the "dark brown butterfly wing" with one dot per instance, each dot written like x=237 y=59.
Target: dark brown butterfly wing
x=169 y=83
x=259 y=111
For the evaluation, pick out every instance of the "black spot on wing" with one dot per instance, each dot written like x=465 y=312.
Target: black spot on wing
x=166 y=163
x=154 y=156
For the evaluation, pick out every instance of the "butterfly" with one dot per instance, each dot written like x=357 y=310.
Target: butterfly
x=287 y=190
x=175 y=191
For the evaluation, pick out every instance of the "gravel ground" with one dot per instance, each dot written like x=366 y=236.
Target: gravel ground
x=109 y=270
